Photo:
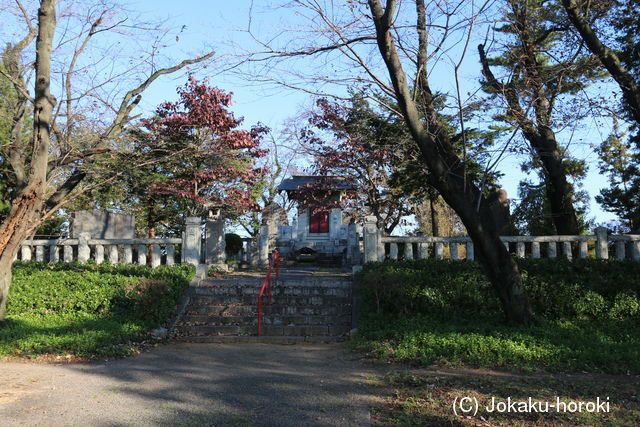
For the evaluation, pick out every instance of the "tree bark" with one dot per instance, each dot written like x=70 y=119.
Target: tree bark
x=447 y=171
x=26 y=209
x=5 y=283
x=435 y=228
x=543 y=141
x=23 y=219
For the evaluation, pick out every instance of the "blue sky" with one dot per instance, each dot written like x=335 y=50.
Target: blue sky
x=217 y=24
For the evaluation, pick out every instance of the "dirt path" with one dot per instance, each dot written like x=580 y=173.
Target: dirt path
x=193 y=384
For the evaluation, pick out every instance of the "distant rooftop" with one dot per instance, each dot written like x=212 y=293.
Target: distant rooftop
x=298 y=181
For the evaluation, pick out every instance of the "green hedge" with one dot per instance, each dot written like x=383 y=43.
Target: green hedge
x=557 y=289
x=445 y=312
x=87 y=309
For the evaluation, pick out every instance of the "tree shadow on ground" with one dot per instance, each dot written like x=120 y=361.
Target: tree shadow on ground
x=241 y=384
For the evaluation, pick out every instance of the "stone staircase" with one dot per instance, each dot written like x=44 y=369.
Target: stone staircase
x=303 y=309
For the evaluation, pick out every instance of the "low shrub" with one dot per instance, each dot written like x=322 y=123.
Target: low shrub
x=446 y=312
x=557 y=289
x=87 y=309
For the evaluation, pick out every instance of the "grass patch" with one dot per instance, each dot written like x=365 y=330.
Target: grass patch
x=445 y=313
x=87 y=310
x=426 y=398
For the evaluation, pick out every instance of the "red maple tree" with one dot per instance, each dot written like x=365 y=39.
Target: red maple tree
x=350 y=144
x=211 y=162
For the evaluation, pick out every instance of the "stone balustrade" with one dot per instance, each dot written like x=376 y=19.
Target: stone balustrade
x=378 y=247
x=123 y=251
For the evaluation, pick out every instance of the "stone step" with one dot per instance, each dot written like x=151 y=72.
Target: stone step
x=267 y=330
x=228 y=339
x=275 y=291
x=254 y=282
x=252 y=310
x=276 y=320
x=200 y=300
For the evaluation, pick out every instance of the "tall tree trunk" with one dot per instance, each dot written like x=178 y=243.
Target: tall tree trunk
x=543 y=141
x=446 y=171
x=435 y=226
x=558 y=189
x=22 y=220
x=26 y=209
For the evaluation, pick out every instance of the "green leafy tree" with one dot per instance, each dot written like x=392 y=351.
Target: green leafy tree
x=621 y=163
x=366 y=147
x=532 y=214
x=189 y=159
x=610 y=30
x=544 y=71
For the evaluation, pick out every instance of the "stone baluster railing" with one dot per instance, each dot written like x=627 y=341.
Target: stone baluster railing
x=100 y=250
x=379 y=247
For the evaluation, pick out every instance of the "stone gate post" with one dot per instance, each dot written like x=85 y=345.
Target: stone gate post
x=84 y=251
x=372 y=245
x=191 y=241
x=215 y=242
x=352 y=243
x=602 y=243
x=263 y=246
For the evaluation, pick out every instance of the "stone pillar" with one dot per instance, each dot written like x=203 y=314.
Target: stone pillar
x=191 y=241
x=84 y=251
x=393 y=251
x=67 y=253
x=171 y=254
x=303 y=224
x=216 y=244
x=566 y=250
x=439 y=251
x=635 y=253
x=99 y=254
x=113 y=254
x=294 y=228
x=127 y=253
x=423 y=251
x=584 y=250
x=156 y=255
x=372 y=242
x=39 y=253
x=357 y=253
x=352 y=243
x=552 y=251
x=520 y=249
x=602 y=243
x=25 y=253
x=335 y=220
x=142 y=254
x=53 y=253
x=248 y=252
x=470 y=254
x=408 y=251
x=453 y=251
x=535 y=249
x=263 y=246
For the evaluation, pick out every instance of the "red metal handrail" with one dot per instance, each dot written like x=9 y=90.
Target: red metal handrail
x=266 y=285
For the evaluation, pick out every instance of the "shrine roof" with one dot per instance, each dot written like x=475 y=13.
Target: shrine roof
x=296 y=182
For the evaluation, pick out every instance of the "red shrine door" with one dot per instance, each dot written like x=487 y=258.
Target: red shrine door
x=319 y=222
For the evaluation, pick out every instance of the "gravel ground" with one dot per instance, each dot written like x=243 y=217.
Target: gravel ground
x=194 y=384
